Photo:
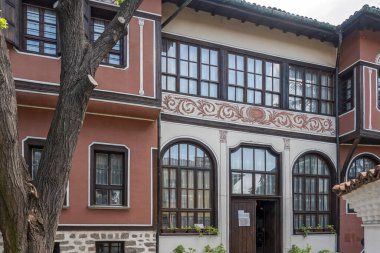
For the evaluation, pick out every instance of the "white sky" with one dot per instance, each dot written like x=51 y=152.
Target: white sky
x=331 y=11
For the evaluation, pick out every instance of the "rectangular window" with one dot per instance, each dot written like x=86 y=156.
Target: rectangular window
x=40 y=34
x=253 y=81
x=33 y=153
x=347 y=94
x=115 y=56
x=189 y=69
x=311 y=91
x=109 y=175
x=109 y=247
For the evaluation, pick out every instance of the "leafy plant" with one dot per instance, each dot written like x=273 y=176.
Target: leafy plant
x=296 y=249
x=218 y=249
x=181 y=249
x=305 y=231
x=318 y=226
x=3 y=23
x=210 y=230
x=331 y=229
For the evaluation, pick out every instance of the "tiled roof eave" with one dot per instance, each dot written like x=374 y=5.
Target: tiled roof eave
x=363 y=178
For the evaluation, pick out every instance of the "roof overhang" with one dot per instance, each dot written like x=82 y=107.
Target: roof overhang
x=270 y=17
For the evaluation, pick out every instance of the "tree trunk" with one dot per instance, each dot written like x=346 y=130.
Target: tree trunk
x=29 y=211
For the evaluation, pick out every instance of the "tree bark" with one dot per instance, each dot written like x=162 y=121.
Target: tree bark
x=29 y=211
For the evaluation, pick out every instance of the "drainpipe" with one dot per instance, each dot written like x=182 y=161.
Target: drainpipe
x=337 y=136
x=158 y=184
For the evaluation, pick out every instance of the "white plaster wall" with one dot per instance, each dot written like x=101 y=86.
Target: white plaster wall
x=217 y=29
x=371 y=238
x=211 y=138
x=317 y=242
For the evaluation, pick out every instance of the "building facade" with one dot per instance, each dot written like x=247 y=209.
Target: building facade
x=215 y=122
x=110 y=200
x=256 y=101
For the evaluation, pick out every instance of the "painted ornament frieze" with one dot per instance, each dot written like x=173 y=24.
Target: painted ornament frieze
x=247 y=115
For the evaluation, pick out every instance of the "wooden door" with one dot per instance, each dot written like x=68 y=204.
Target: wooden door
x=242 y=236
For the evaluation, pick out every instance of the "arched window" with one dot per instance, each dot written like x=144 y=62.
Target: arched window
x=254 y=171
x=312 y=179
x=187 y=186
x=360 y=164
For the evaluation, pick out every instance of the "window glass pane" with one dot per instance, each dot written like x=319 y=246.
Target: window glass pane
x=173 y=178
x=184 y=198
x=258 y=66
x=191 y=156
x=193 y=87
x=200 y=199
x=183 y=154
x=191 y=198
x=193 y=72
x=116 y=197
x=50 y=48
x=116 y=169
x=205 y=54
x=207 y=181
x=193 y=53
x=247 y=159
x=171 y=66
x=239 y=94
x=236 y=183
x=199 y=158
x=174 y=155
x=173 y=201
x=271 y=165
x=213 y=57
x=36 y=158
x=190 y=177
x=247 y=183
x=183 y=178
x=270 y=185
x=260 y=184
x=207 y=200
x=32 y=45
x=165 y=198
x=239 y=62
x=236 y=161
x=184 y=52
x=259 y=159
x=101 y=197
x=213 y=90
x=101 y=164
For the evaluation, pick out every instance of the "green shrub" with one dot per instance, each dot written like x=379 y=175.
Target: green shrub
x=296 y=249
x=218 y=249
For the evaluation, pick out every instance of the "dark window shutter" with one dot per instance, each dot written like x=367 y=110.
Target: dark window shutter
x=11 y=12
x=125 y=53
x=86 y=18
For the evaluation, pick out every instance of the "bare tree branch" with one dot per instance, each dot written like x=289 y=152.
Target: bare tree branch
x=113 y=32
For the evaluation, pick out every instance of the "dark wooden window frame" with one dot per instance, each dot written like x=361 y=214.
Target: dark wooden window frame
x=223 y=84
x=368 y=156
x=109 y=149
x=254 y=172
x=213 y=186
x=199 y=63
x=263 y=89
x=29 y=144
x=106 y=18
x=40 y=38
x=304 y=97
x=98 y=245
x=343 y=100
x=332 y=198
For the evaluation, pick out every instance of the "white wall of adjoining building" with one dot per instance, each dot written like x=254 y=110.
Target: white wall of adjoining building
x=248 y=36
x=289 y=148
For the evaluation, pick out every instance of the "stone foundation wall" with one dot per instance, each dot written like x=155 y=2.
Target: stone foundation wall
x=84 y=241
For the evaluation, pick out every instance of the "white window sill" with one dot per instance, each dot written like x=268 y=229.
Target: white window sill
x=109 y=207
